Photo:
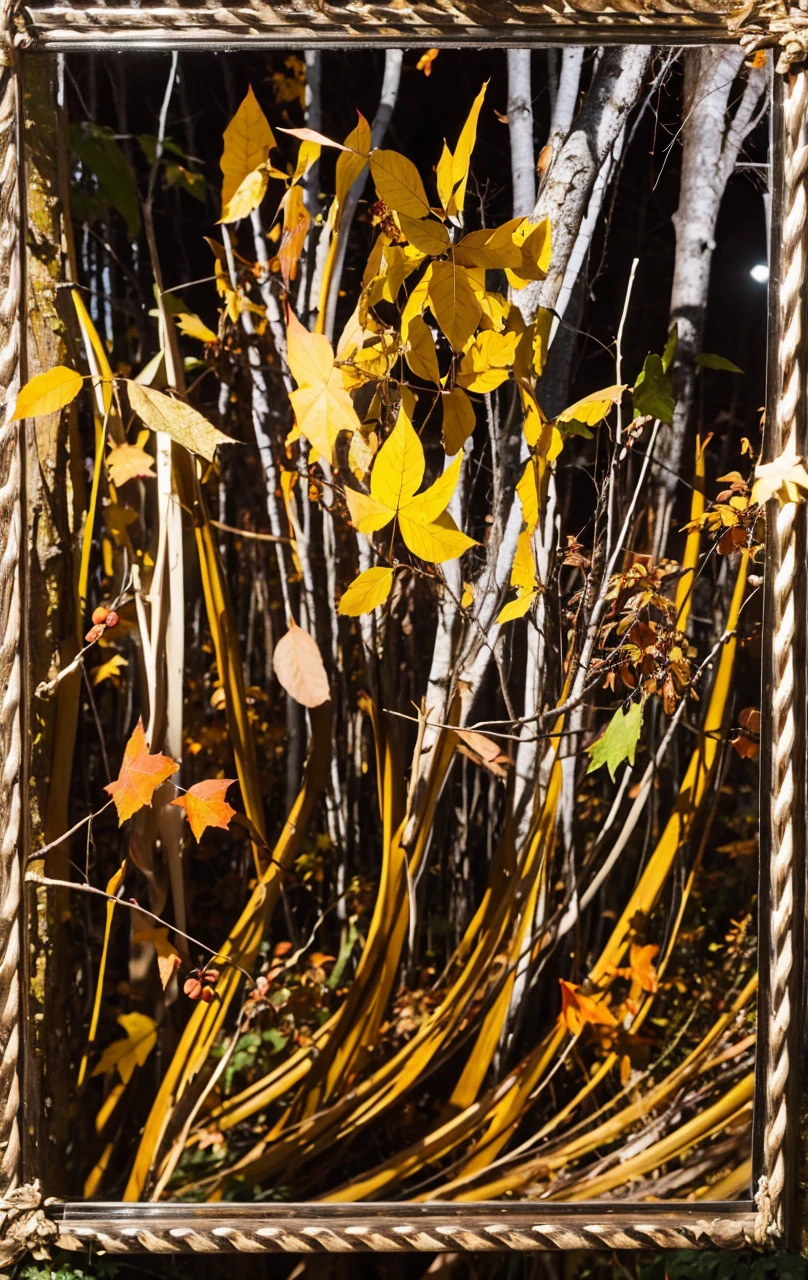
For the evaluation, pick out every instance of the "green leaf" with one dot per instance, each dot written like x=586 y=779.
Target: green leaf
x=98 y=151
x=708 y=361
x=669 y=354
x=619 y=742
x=653 y=393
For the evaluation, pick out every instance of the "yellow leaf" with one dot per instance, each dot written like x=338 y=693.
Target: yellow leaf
x=577 y=1009
x=436 y=542
x=367 y=515
x=428 y=505
x=462 y=156
x=110 y=670
x=247 y=196
x=784 y=478
x=129 y=462
x=491 y=248
x=535 y=420
x=296 y=223
x=193 y=327
x=416 y=302
x=351 y=163
x=398 y=183
x=541 y=339
x=453 y=303
x=459 y=420
x=399 y=466
x=299 y=667
x=593 y=409
x=124 y=1055
x=425 y=61
x=427 y=234
x=308 y=155
x=420 y=351
x=248 y=141
x=467 y=597
x=366 y=592
x=177 y=419
x=486 y=362
x=312 y=135
x=536 y=248
x=47 y=393
x=527 y=489
x=516 y=608
x=443 y=174
x=322 y=406
x=523 y=569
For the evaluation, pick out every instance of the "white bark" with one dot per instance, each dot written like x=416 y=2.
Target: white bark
x=711 y=143
x=520 y=128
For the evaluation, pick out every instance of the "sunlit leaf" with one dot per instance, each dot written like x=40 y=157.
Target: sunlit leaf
x=140 y=776
x=367 y=591
x=248 y=141
x=784 y=477
x=193 y=327
x=247 y=196
x=322 y=406
x=168 y=958
x=420 y=351
x=177 y=419
x=453 y=303
x=462 y=155
x=619 y=742
x=593 y=408
x=578 y=1009
x=653 y=391
x=459 y=419
x=398 y=183
x=427 y=234
x=47 y=392
x=205 y=805
x=709 y=361
x=129 y=462
x=110 y=670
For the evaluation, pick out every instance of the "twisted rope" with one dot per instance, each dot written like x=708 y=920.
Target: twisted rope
x=784 y=565
x=10 y=543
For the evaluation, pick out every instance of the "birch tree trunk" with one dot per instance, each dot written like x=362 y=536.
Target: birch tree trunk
x=711 y=143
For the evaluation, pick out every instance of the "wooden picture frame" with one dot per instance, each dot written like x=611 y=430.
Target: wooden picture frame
x=775 y=1215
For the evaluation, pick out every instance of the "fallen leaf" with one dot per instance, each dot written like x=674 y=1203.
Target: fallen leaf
x=176 y=419
x=299 y=667
x=205 y=805
x=47 y=393
x=140 y=776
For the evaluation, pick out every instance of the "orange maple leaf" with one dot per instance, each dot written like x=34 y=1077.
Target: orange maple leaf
x=643 y=971
x=577 y=1009
x=205 y=805
x=140 y=776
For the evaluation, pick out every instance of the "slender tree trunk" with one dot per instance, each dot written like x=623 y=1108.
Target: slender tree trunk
x=520 y=127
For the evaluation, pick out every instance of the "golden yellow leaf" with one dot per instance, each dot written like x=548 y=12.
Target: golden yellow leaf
x=248 y=141
x=416 y=302
x=492 y=248
x=593 y=408
x=536 y=248
x=425 y=61
x=420 y=351
x=467 y=597
x=312 y=135
x=462 y=155
x=351 y=163
x=443 y=173
x=308 y=155
x=47 y=393
x=193 y=327
x=177 y=419
x=487 y=361
x=516 y=608
x=784 y=478
x=322 y=406
x=436 y=542
x=459 y=420
x=577 y=1009
x=299 y=667
x=398 y=183
x=453 y=303
x=111 y=670
x=367 y=591
x=247 y=196
x=426 y=528
x=427 y=234
x=124 y=1055
x=527 y=489
x=296 y=223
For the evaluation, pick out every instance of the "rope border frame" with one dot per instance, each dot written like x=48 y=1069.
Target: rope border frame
x=30 y=1223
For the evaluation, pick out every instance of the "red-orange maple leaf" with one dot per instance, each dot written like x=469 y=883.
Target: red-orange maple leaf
x=205 y=805
x=140 y=776
x=577 y=1009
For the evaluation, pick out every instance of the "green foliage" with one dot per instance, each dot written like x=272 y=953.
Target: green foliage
x=653 y=393
x=708 y=361
x=98 y=151
x=70 y=1266
x=695 y=1265
x=619 y=742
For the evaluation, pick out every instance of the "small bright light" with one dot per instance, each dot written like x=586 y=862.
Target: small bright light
x=760 y=273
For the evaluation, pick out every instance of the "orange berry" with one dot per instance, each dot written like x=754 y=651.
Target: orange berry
x=94 y=633
x=112 y=618
x=100 y=614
